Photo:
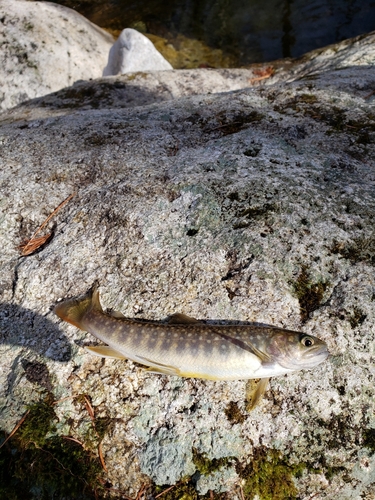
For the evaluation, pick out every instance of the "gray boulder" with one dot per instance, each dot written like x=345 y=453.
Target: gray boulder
x=253 y=205
x=46 y=47
x=131 y=52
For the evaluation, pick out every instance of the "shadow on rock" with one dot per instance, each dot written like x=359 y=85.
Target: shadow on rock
x=23 y=327
x=110 y=93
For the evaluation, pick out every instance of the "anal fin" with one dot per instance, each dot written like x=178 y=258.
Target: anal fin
x=104 y=351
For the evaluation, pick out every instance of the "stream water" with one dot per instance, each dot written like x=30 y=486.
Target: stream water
x=247 y=30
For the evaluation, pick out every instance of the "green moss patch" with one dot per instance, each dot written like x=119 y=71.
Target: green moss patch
x=205 y=465
x=270 y=476
x=184 y=490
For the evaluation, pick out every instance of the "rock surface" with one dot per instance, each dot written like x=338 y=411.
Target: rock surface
x=45 y=47
x=349 y=54
x=131 y=52
x=255 y=205
x=135 y=89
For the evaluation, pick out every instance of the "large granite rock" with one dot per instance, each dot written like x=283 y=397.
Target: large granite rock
x=131 y=52
x=45 y=47
x=256 y=205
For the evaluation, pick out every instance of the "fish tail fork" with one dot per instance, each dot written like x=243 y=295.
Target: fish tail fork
x=74 y=310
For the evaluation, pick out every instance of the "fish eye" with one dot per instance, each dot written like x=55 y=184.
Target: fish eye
x=307 y=341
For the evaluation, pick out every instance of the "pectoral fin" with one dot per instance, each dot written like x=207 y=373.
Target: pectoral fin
x=254 y=392
x=104 y=351
x=179 y=318
x=246 y=346
x=160 y=368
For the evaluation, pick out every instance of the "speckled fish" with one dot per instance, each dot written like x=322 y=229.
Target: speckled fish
x=187 y=347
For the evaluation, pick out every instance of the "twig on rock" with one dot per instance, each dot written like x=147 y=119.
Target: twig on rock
x=141 y=491
x=15 y=428
x=90 y=411
x=241 y=493
x=31 y=245
x=165 y=491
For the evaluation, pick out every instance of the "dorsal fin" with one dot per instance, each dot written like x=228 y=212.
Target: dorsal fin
x=179 y=318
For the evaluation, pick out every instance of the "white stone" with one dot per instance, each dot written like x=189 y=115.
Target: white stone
x=132 y=51
x=45 y=47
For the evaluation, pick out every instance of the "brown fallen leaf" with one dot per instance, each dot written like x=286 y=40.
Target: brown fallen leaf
x=31 y=245
x=262 y=74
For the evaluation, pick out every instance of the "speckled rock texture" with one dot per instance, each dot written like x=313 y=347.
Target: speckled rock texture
x=131 y=52
x=250 y=205
x=45 y=47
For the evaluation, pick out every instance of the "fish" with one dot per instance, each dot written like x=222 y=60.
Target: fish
x=186 y=347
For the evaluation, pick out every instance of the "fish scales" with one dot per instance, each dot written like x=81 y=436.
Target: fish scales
x=187 y=347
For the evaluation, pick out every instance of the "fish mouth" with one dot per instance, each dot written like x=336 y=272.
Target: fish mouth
x=315 y=356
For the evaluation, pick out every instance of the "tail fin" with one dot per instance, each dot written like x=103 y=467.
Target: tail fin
x=74 y=310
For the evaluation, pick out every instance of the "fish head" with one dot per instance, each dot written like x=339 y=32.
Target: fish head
x=296 y=350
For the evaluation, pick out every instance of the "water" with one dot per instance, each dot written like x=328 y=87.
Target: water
x=249 y=30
